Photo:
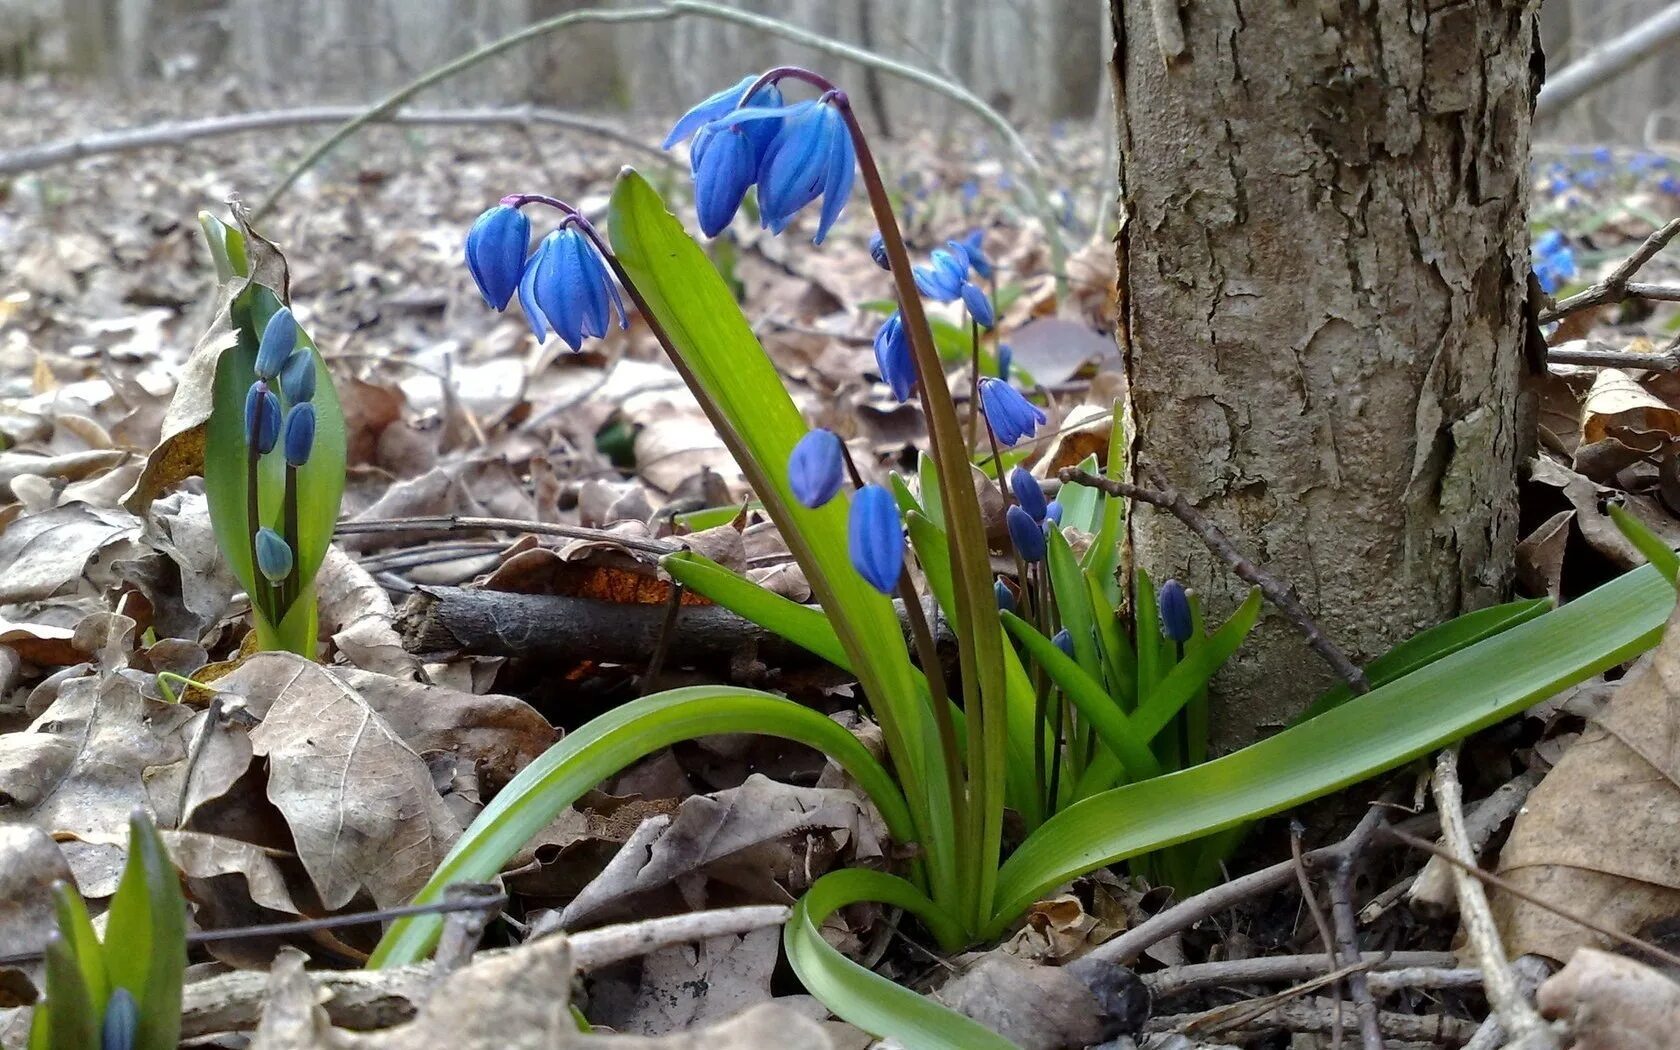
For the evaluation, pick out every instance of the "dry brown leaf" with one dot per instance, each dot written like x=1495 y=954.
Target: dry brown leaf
x=46 y=555
x=693 y=984
x=1618 y=408
x=30 y=862
x=359 y=615
x=1611 y=1002
x=1598 y=834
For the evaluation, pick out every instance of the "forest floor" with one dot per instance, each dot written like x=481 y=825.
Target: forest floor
x=454 y=411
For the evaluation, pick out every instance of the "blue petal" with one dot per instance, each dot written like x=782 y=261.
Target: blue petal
x=722 y=179
x=791 y=174
x=707 y=111
x=557 y=288
x=299 y=439
x=837 y=183
x=1025 y=533
x=528 y=286
x=279 y=336
x=1173 y=605
x=1028 y=492
x=893 y=358
x=591 y=294
x=876 y=538
x=979 y=307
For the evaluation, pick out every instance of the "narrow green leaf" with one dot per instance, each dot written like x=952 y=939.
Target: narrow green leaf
x=73 y=1023
x=800 y=624
x=1191 y=674
x=1656 y=551
x=146 y=936
x=1073 y=603
x=77 y=930
x=1393 y=724
x=607 y=744
x=866 y=999
x=1081 y=504
x=1119 y=660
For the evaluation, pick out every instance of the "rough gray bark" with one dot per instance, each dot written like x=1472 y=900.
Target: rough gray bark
x=1323 y=274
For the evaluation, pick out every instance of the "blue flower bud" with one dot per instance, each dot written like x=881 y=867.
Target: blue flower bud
x=942 y=278
x=274 y=555
x=1064 y=642
x=1025 y=533
x=972 y=246
x=723 y=172
x=1010 y=415
x=262 y=418
x=1174 y=606
x=979 y=307
x=1005 y=597
x=1028 y=492
x=877 y=539
x=1053 y=511
x=279 y=336
x=878 y=251
x=894 y=359
x=816 y=468
x=297 y=377
x=122 y=1021
x=566 y=284
x=496 y=247
x=1005 y=358
x=300 y=434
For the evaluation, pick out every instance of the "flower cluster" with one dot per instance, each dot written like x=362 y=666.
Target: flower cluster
x=745 y=137
x=564 y=285
x=284 y=365
x=1553 y=260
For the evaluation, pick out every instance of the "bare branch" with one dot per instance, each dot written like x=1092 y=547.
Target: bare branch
x=1609 y=60
x=1618 y=284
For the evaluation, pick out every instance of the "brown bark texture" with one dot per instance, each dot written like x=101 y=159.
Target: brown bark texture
x=1323 y=267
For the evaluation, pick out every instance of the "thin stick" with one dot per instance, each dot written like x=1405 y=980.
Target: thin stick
x=1340 y=885
x=1418 y=968
x=444 y=523
x=667 y=627
x=1280 y=593
x=1601 y=355
x=1616 y=287
x=1325 y=937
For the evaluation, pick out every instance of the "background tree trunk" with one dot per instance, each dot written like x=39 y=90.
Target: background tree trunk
x=1323 y=273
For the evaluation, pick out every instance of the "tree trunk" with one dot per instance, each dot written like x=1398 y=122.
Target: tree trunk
x=1323 y=270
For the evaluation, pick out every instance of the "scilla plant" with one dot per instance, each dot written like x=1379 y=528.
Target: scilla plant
x=274 y=448
x=954 y=761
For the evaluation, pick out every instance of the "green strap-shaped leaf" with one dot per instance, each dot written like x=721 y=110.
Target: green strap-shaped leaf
x=146 y=937
x=602 y=747
x=70 y=1020
x=1651 y=545
x=77 y=930
x=800 y=624
x=1394 y=723
x=861 y=996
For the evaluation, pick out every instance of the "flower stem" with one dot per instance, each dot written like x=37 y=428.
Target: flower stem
x=260 y=604
x=291 y=585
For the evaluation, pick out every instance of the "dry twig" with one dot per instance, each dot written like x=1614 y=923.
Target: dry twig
x=1388 y=972
x=1618 y=285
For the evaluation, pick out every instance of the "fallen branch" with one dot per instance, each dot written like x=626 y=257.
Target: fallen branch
x=1618 y=284
x=1601 y=355
x=1388 y=972
x=450 y=523
x=179 y=133
x=1432 y=890
x=1608 y=60
x=1280 y=593
x=1318 y=1015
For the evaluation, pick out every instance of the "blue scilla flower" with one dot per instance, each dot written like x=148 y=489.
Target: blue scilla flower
x=1601 y=155
x=1549 y=242
x=1053 y=511
x=877 y=539
x=1011 y=416
x=1554 y=261
x=279 y=336
x=297 y=377
x=299 y=438
x=1590 y=179
x=878 y=251
x=1174 y=606
x=262 y=418
x=566 y=284
x=1005 y=358
x=1025 y=533
x=1669 y=185
x=496 y=246
x=274 y=555
x=979 y=307
x=942 y=278
x=1004 y=596
x=816 y=467
x=974 y=248
x=725 y=167
x=1028 y=492
x=810 y=157
x=121 y=1023
x=1063 y=640
x=893 y=358
x=720 y=105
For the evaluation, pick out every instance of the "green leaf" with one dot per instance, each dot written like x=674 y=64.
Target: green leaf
x=146 y=937
x=1651 y=545
x=1082 y=504
x=864 y=998
x=800 y=624
x=607 y=744
x=77 y=930
x=1393 y=724
x=1073 y=603
x=71 y=1016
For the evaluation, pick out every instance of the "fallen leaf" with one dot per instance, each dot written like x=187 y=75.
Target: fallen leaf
x=48 y=554
x=30 y=862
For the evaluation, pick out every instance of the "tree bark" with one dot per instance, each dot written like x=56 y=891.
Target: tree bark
x=1323 y=270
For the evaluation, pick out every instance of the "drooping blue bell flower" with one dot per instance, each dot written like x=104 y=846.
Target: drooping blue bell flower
x=1174 y=606
x=1005 y=358
x=941 y=279
x=878 y=251
x=816 y=468
x=496 y=246
x=274 y=555
x=1053 y=511
x=1549 y=242
x=1025 y=533
x=1005 y=597
x=299 y=438
x=262 y=418
x=724 y=169
x=894 y=359
x=876 y=538
x=279 y=336
x=979 y=307
x=1028 y=492
x=720 y=105
x=122 y=1021
x=1064 y=641
x=976 y=252
x=297 y=377
x=567 y=284
x=1011 y=416
x=1553 y=261
x=810 y=157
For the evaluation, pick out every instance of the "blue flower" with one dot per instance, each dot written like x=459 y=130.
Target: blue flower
x=1554 y=261
x=973 y=246
x=1005 y=597
x=566 y=284
x=496 y=247
x=278 y=338
x=1063 y=640
x=1601 y=155
x=810 y=157
x=262 y=418
x=1669 y=185
x=893 y=358
x=723 y=172
x=1025 y=533
x=1549 y=242
x=877 y=540
x=122 y=1021
x=1590 y=179
x=1174 y=606
x=1011 y=416
x=878 y=251
x=1028 y=492
x=274 y=555
x=816 y=468
x=979 y=307
x=942 y=278
x=720 y=105
x=1005 y=358
x=1053 y=511
x=297 y=377
x=300 y=434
